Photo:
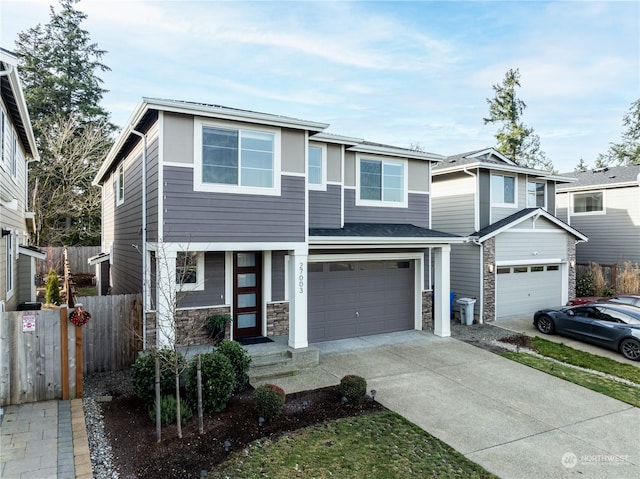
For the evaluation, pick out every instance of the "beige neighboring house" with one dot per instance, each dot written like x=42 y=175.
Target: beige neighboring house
x=17 y=150
x=605 y=205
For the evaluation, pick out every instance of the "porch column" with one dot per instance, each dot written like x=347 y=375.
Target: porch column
x=441 y=300
x=167 y=288
x=298 y=299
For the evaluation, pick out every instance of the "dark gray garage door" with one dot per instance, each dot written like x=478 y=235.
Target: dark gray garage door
x=358 y=298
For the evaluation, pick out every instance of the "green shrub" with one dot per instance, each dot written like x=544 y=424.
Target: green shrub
x=218 y=381
x=584 y=285
x=240 y=360
x=143 y=374
x=168 y=411
x=52 y=293
x=354 y=388
x=269 y=401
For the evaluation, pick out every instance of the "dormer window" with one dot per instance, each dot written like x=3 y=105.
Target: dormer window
x=503 y=190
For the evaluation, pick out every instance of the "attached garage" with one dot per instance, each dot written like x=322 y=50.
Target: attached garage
x=523 y=289
x=357 y=298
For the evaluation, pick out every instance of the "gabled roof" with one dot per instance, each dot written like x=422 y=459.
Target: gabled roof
x=492 y=159
x=13 y=97
x=380 y=233
x=608 y=177
x=522 y=215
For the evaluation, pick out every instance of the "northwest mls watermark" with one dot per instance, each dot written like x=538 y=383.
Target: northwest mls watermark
x=571 y=460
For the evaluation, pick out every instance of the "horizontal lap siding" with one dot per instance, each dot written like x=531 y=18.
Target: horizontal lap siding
x=324 y=208
x=126 y=272
x=213 y=293
x=615 y=236
x=196 y=216
x=416 y=214
x=520 y=247
x=465 y=270
x=453 y=206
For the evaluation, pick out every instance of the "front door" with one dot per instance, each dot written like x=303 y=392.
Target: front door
x=247 y=294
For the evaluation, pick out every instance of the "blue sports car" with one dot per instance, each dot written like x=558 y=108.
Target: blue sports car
x=611 y=325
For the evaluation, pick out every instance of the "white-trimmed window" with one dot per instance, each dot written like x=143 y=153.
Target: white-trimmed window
x=120 y=185
x=536 y=197
x=237 y=160
x=382 y=182
x=503 y=190
x=591 y=202
x=10 y=255
x=190 y=270
x=317 y=168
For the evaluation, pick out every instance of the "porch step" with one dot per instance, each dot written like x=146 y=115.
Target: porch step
x=278 y=362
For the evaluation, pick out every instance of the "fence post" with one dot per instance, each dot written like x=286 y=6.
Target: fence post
x=79 y=363
x=64 y=352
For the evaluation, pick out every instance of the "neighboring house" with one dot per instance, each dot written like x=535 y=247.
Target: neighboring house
x=289 y=230
x=18 y=148
x=605 y=205
x=520 y=257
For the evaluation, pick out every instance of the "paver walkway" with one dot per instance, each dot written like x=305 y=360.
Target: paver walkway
x=44 y=440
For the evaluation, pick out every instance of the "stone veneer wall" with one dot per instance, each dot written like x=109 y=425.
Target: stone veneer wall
x=427 y=310
x=571 y=258
x=192 y=325
x=488 y=280
x=278 y=318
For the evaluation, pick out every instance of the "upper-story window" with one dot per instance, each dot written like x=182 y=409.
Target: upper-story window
x=588 y=203
x=237 y=160
x=382 y=182
x=317 y=173
x=535 y=194
x=120 y=185
x=190 y=270
x=503 y=190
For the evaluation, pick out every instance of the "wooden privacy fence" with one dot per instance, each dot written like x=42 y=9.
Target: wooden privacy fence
x=77 y=256
x=35 y=365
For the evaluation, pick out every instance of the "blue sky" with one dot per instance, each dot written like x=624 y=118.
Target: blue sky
x=399 y=72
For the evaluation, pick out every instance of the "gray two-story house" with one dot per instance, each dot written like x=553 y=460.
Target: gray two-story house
x=521 y=257
x=17 y=150
x=289 y=230
x=605 y=205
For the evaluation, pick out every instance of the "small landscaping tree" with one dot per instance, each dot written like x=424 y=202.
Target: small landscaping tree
x=218 y=381
x=143 y=374
x=52 y=293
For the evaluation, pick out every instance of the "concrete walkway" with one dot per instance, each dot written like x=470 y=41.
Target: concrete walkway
x=513 y=420
x=44 y=440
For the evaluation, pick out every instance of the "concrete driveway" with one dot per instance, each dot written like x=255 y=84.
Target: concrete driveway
x=515 y=421
x=524 y=325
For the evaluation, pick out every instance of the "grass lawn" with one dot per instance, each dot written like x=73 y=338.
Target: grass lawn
x=566 y=354
x=573 y=356
x=378 y=446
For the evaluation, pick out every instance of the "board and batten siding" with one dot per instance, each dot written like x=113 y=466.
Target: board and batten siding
x=416 y=214
x=615 y=236
x=526 y=247
x=196 y=216
x=325 y=207
x=453 y=207
x=213 y=293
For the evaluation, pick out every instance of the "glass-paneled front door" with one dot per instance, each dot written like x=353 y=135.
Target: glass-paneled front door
x=247 y=297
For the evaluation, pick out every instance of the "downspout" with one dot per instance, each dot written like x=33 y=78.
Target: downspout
x=144 y=235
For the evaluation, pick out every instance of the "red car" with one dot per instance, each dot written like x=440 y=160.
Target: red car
x=632 y=299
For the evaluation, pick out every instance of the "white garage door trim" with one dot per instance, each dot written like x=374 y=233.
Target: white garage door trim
x=521 y=289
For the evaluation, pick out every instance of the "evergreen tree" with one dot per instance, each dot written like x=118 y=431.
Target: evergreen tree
x=516 y=141
x=627 y=152
x=581 y=166
x=59 y=66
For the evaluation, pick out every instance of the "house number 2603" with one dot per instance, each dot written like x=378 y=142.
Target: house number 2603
x=301 y=278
